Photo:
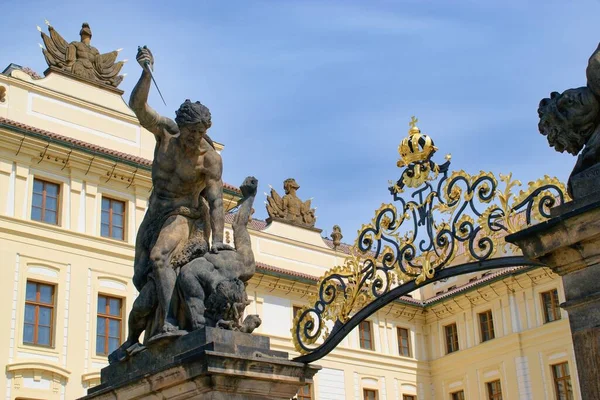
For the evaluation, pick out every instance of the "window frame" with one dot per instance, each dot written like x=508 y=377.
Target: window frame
x=453 y=337
x=409 y=397
x=566 y=378
x=37 y=304
x=108 y=317
x=374 y=391
x=110 y=224
x=489 y=386
x=305 y=396
x=458 y=395
x=408 y=343
x=554 y=303
x=361 y=339
x=58 y=213
x=489 y=325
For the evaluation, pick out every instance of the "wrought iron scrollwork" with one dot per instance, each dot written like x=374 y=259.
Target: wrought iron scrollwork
x=449 y=220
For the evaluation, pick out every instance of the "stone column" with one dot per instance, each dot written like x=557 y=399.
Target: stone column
x=569 y=244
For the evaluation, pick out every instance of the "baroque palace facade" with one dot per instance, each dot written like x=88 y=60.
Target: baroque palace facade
x=74 y=185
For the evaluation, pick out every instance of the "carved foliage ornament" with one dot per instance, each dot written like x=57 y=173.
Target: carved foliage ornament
x=290 y=208
x=447 y=220
x=80 y=58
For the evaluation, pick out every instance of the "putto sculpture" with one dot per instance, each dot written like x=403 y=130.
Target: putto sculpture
x=290 y=208
x=184 y=283
x=571 y=123
x=80 y=58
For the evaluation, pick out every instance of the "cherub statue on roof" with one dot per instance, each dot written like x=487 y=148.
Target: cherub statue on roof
x=80 y=58
x=290 y=208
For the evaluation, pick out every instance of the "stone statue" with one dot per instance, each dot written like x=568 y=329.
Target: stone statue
x=290 y=208
x=80 y=58
x=185 y=206
x=571 y=123
x=336 y=236
x=2 y=94
x=212 y=287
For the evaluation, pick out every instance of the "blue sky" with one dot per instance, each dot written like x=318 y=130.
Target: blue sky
x=322 y=91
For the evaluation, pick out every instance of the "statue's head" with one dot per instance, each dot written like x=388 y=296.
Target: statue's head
x=85 y=33
x=249 y=186
x=568 y=119
x=289 y=185
x=193 y=117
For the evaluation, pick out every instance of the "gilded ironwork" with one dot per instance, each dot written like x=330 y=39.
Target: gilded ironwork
x=450 y=223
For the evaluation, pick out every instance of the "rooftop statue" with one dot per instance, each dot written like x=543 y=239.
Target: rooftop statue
x=290 y=208
x=80 y=58
x=571 y=122
x=185 y=207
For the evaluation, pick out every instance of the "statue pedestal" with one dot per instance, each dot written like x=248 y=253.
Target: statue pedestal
x=569 y=244
x=206 y=364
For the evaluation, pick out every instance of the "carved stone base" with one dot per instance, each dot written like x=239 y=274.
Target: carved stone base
x=569 y=244
x=206 y=364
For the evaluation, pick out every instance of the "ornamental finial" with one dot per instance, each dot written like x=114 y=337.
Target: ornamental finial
x=413 y=126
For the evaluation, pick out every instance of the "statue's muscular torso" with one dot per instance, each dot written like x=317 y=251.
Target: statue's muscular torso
x=180 y=172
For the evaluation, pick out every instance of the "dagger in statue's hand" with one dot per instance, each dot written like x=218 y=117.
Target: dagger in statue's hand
x=149 y=69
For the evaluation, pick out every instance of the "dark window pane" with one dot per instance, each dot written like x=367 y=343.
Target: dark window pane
x=28 y=333
x=114 y=328
x=51 y=189
x=36 y=200
x=118 y=207
x=105 y=204
x=117 y=233
x=101 y=326
x=29 y=313
x=44 y=316
x=104 y=230
x=36 y=214
x=46 y=294
x=101 y=304
x=113 y=344
x=50 y=217
x=100 y=344
x=105 y=217
x=44 y=335
x=117 y=220
x=31 y=291
x=51 y=204
x=38 y=186
x=115 y=307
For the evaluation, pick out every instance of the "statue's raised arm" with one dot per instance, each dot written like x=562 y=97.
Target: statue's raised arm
x=138 y=101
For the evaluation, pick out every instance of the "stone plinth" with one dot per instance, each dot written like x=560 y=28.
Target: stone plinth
x=569 y=244
x=206 y=364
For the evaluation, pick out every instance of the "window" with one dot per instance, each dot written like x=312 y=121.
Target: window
x=494 y=390
x=305 y=393
x=365 y=336
x=550 y=304
x=460 y=395
x=451 y=338
x=370 y=394
x=403 y=342
x=113 y=219
x=108 y=328
x=562 y=381
x=44 y=202
x=486 y=326
x=39 y=314
x=409 y=397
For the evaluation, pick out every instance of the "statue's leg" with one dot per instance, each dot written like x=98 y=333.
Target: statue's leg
x=141 y=309
x=192 y=292
x=174 y=232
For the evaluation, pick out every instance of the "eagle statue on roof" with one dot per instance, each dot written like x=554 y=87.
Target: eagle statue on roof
x=290 y=208
x=80 y=58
